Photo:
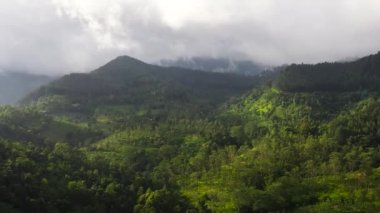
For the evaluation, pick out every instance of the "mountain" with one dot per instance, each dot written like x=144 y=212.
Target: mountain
x=222 y=65
x=16 y=85
x=134 y=137
x=144 y=92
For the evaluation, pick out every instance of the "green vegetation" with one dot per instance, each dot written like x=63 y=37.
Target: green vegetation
x=131 y=137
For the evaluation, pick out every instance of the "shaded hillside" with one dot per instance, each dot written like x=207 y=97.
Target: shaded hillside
x=16 y=85
x=362 y=74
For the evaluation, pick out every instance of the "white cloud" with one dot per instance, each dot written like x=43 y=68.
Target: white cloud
x=79 y=35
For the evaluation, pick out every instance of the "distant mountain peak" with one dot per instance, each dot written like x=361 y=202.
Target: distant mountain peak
x=123 y=64
x=125 y=60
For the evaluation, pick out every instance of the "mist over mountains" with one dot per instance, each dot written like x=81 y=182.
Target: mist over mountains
x=225 y=65
x=16 y=85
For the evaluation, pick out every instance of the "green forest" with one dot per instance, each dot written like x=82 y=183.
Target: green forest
x=134 y=137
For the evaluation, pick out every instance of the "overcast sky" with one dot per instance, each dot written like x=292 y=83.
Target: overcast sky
x=60 y=36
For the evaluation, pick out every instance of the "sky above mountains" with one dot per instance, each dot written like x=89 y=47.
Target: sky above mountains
x=60 y=36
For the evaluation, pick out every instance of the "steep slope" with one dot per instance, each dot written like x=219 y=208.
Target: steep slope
x=16 y=85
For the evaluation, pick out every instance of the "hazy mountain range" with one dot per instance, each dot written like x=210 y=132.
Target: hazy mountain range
x=15 y=85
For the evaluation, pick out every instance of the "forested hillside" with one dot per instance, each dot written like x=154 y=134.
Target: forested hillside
x=133 y=137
